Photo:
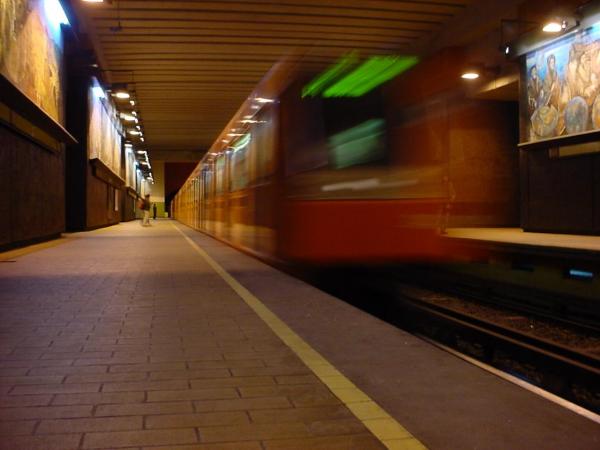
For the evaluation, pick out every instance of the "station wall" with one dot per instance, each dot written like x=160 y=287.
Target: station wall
x=31 y=190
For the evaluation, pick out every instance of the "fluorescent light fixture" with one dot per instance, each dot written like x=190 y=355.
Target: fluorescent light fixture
x=144 y=163
x=128 y=145
x=134 y=132
x=249 y=116
x=131 y=102
x=55 y=12
x=142 y=139
x=264 y=100
x=93 y=1
x=235 y=134
x=141 y=152
x=248 y=121
x=255 y=107
x=134 y=113
x=138 y=127
x=554 y=27
x=122 y=95
x=98 y=92
x=470 y=75
x=127 y=117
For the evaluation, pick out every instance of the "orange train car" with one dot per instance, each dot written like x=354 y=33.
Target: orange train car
x=349 y=180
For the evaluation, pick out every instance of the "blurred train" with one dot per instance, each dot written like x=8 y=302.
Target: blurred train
x=326 y=179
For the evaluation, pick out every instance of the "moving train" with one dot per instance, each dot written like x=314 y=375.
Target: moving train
x=317 y=177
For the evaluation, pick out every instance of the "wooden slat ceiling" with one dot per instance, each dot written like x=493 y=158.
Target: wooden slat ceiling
x=194 y=62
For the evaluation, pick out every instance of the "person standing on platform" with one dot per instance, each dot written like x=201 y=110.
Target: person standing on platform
x=145 y=207
x=154 y=210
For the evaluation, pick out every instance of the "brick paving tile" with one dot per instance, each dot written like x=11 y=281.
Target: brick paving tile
x=232 y=382
x=99 y=398
x=144 y=409
x=45 y=412
x=292 y=391
x=226 y=364
x=190 y=374
x=283 y=370
x=68 y=370
x=242 y=404
x=106 y=377
x=193 y=394
x=59 y=442
x=59 y=426
x=356 y=442
x=197 y=420
x=36 y=363
x=139 y=438
x=148 y=367
x=219 y=446
x=253 y=432
x=24 y=400
x=305 y=415
x=74 y=388
x=145 y=386
x=15 y=428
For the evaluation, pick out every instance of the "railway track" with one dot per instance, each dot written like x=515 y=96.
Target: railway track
x=559 y=356
x=568 y=371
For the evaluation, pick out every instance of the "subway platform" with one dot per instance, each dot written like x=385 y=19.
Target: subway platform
x=163 y=338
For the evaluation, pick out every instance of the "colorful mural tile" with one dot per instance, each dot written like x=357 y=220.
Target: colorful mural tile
x=561 y=95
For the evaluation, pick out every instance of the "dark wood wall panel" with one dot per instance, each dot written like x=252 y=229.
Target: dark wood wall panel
x=562 y=193
x=32 y=190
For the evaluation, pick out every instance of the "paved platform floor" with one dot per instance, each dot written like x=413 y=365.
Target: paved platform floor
x=126 y=338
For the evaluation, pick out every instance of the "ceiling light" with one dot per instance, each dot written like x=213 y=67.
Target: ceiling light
x=93 y=1
x=264 y=100
x=255 y=107
x=554 y=26
x=131 y=102
x=470 y=75
x=134 y=113
x=142 y=139
x=141 y=152
x=127 y=117
x=234 y=134
x=56 y=13
x=122 y=95
x=134 y=132
x=138 y=127
x=98 y=92
x=250 y=116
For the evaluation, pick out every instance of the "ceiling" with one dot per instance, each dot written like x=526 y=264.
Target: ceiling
x=192 y=63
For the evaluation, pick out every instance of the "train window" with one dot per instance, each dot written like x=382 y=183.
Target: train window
x=220 y=174
x=263 y=144
x=359 y=145
x=239 y=163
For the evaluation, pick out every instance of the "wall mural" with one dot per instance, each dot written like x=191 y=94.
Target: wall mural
x=31 y=52
x=561 y=93
x=104 y=131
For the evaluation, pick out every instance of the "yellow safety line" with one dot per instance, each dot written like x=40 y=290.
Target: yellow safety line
x=12 y=254
x=385 y=428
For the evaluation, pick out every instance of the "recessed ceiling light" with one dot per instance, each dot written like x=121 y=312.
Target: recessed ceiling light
x=470 y=75
x=554 y=27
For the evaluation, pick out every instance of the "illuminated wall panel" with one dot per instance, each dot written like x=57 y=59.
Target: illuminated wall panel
x=31 y=49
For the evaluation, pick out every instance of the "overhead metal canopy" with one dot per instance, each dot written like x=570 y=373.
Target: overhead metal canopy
x=194 y=62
